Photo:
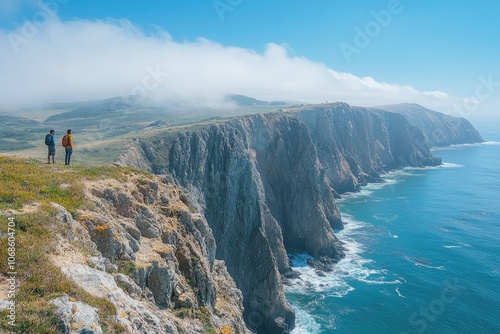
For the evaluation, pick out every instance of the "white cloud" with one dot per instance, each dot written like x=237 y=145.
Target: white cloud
x=80 y=60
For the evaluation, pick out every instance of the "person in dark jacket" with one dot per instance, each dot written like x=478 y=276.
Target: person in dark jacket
x=52 y=147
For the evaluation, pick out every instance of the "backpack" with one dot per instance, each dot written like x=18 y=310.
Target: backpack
x=48 y=139
x=65 y=141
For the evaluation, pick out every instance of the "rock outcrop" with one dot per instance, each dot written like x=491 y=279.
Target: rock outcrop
x=266 y=186
x=141 y=246
x=439 y=129
x=77 y=317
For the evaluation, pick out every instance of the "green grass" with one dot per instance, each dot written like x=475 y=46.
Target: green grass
x=41 y=281
x=126 y=267
x=23 y=181
x=182 y=312
x=204 y=316
x=27 y=180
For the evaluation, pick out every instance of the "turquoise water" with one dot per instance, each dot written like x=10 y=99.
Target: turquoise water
x=423 y=253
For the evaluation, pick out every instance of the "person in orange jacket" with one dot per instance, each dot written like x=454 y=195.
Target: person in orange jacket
x=67 y=142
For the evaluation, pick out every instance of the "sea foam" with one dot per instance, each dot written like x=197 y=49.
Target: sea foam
x=354 y=266
x=351 y=267
x=462 y=146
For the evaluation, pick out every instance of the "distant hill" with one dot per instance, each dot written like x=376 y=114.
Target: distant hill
x=440 y=129
x=242 y=100
x=101 y=108
x=18 y=132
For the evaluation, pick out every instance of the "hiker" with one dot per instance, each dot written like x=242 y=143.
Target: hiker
x=50 y=141
x=67 y=143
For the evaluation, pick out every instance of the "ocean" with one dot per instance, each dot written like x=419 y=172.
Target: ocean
x=423 y=253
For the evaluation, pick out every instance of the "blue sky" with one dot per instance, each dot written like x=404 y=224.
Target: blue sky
x=429 y=45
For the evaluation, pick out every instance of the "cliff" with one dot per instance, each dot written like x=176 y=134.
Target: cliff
x=266 y=185
x=123 y=252
x=439 y=129
x=108 y=249
x=356 y=145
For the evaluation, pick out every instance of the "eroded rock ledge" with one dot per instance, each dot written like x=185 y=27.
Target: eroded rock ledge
x=142 y=247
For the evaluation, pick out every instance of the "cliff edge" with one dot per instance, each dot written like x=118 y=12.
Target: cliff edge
x=111 y=250
x=266 y=185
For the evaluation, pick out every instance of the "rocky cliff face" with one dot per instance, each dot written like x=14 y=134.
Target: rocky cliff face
x=356 y=145
x=142 y=248
x=439 y=129
x=266 y=185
